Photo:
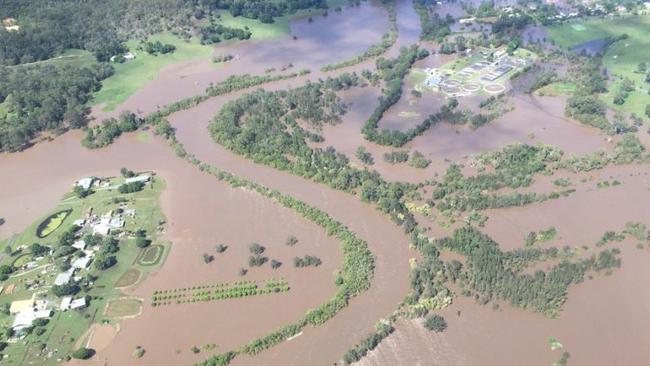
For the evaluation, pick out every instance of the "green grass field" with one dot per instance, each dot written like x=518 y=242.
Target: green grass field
x=259 y=30
x=621 y=58
x=65 y=328
x=556 y=89
x=134 y=74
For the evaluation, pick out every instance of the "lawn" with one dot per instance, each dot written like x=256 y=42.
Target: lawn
x=259 y=30
x=134 y=74
x=120 y=308
x=621 y=58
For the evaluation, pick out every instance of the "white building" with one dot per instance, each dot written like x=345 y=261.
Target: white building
x=79 y=244
x=65 y=303
x=140 y=178
x=85 y=183
x=82 y=262
x=78 y=303
x=64 y=278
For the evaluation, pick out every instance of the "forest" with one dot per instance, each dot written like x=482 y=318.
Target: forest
x=45 y=98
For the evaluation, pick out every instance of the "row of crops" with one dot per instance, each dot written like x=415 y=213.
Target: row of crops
x=217 y=291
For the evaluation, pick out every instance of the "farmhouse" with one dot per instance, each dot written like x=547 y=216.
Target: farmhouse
x=27 y=311
x=20 y=305
x=82 y=262
x=64 y=278
x=85 y=183
x=68 y=303
x=79 y=244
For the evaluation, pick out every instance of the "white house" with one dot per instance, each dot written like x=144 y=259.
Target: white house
x=82 y=262
x=25 y=318
x=78 y=303
x=85 y=183
x=65 y=303
x=79 y=244
x=64 y=278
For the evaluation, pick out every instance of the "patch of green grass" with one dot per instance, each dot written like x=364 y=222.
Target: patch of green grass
x=134 y=74
x=52 y=223
x=621 y=58
x=279 y=28
x=3 y=109
x=123 y=307
x=151 y=255
x=556 y=89
x=417 y=76
x=144 y=137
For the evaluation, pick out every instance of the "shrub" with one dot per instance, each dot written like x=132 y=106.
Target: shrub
x=207 y=258
x=138 y=352
x=255 y=248
x=221 y=248
x=142 y=242
x=256 y=260
x=275 y=264
x=292 y=240
x=435 y=323
x=83 y=353
x=308 y=260
x=130 y=187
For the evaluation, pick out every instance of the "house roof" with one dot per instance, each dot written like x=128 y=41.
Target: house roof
x=64 y=277
x=20 y=305
x=139 y=178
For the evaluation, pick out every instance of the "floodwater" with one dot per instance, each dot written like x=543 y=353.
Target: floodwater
x=349 y=32
x=387 y=242
x=201 y=213
x=591 y=48
x=604 y=321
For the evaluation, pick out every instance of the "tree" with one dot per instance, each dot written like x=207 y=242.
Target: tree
x=65 y=290
x=207 y=258
x=255 y=248
x=80 y=192
x=435 y=323
x=142 y=242
x=83 y=353
x=38 y=250
x=642 y=67
x=126 y=173
x=647 y=110
x=292 y=240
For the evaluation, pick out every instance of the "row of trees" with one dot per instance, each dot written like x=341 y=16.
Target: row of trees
x=263 y=126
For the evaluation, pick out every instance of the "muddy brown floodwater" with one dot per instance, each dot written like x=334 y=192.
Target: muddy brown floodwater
x=604 y=321
x=387 y=242
x=349 y=32
x=201 y=212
